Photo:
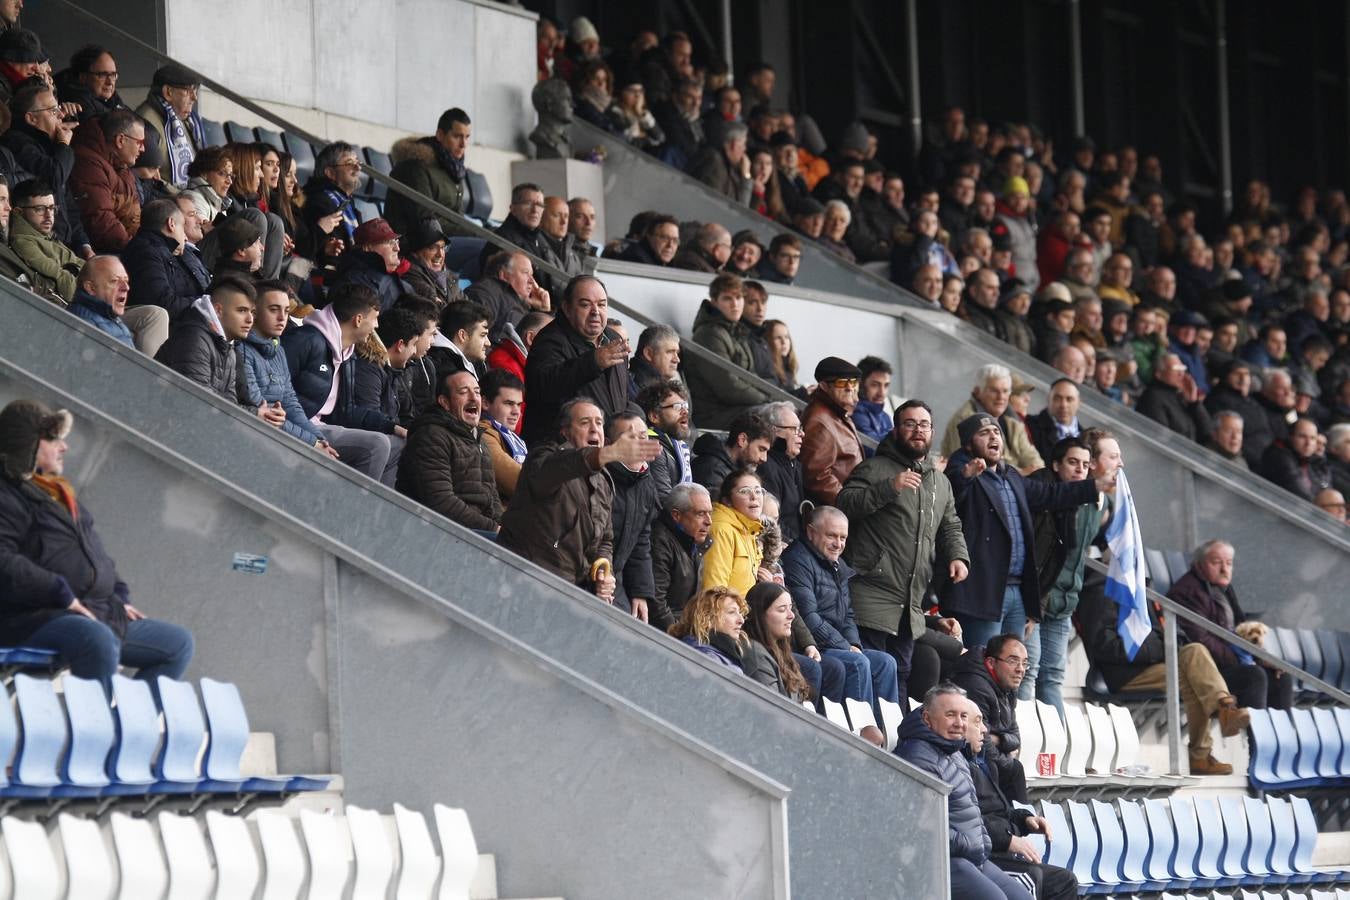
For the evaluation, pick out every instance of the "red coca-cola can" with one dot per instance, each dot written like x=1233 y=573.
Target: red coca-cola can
x=1045 y=764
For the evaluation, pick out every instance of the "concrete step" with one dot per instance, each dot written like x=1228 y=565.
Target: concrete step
x=1333 y=849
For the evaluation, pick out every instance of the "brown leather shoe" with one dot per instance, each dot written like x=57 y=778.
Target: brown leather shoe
x=1233 y=720
x=1208 y=765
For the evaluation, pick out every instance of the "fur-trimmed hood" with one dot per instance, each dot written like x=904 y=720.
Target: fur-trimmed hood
x=419 y=149
x=373 y=350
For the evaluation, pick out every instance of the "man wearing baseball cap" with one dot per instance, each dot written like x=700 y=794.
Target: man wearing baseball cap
x=375 y=263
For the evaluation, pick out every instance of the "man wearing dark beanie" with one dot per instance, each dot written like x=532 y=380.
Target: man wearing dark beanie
x=240 y=248
x=831 y=448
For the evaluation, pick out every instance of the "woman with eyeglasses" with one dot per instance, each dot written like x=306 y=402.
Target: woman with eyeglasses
x=734 y=558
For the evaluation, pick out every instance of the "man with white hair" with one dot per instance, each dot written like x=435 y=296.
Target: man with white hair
x=1226 y=439
x=990 y=395
x=1338 y=456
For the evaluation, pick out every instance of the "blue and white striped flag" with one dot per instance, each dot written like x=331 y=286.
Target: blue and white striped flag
x=1125 y=577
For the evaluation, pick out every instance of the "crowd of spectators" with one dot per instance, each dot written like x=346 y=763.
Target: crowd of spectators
x=831 y=551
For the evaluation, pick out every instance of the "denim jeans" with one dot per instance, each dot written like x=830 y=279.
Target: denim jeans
x=1053 y=644
x=1012 y=618
x=868 y=676
x=91 y=650
x=1015 y=622
x=825 y=677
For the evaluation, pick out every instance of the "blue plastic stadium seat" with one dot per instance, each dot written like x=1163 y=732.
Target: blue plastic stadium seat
x=379 y=161
x=228 y=724
x=1342 y=716
x=1134 y=825
x=184 y=731
x=1207 y=862
x=1237 y=840
x=1286 y=746
x=1262 y=841
x=480 y=196
x=1111 y=855
x=1283 y=826
x=239 y=134
x=213 y=133
x=43 y=733
x=1086 y=850
x=27 y=658
x=1162 y=845
x=1305 y=828
x=1177 y=564
x=270 y=137
x=1187 y=857
x=1312 y=652
x=303 y=153
x=1343 y=642
x=1059 y=852
x=1265 y=746
x=137 y=736
x=85 y=772
x=1157 y=570
x=365 y=209
x=1291 y=648
x=1333 y=663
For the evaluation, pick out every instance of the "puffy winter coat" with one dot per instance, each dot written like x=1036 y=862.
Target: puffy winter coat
x=48 y=559
x=999 y=707
x=896 y=537
x=718 y=396
x=677 y=565
x=310 y=359
x=100 y=314
x=819 y=589
x=561 y=366
x=734 y=557
x=106 y=192
x=921 y=746
x=267 y=379
x=634 y=509
x=416 y=164
x=195 y=351
x=159 y=277
x=559 y=516
x=447 y=467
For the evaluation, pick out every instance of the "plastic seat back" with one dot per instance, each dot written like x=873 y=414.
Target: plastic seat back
x=1137 y=841
x=9 y=737
x=1162 y=840
x=270 y=138
x=190 y=874
x=859 y=715
x=328 y=851
x=1283 y=826
x=834 y=712
x=421 y=866
x=373 y=851
x=1342 y=716
x=1055 y=738
x=213 y=133
x=1176 y=564
x=1157 y=570
x=44 y=732
x=891 y=717
x=1187 y=851
x=365 y=209
x=302 y=152
x=1080 y=742
x=459 y=852
x=1086 y=843
x=91 y=732
x=283 y=859
x=1211 y=838
x=1265 y=746
x=144 y=875
x=480 y=195
x=1029 y=726
x=1261 y=836
x=239 y=134
x=1331 y=743
x=89 y=871
x=1103 y=756
x=379 y=161
x=1305 y=833
x=1333 y=664
x=184 y=731
x=1126 y=736
x=228 y=724
x=1286 y=745
x=137 y=731
x=1313 y=663
x=36 y=875
x=1238 y=839
x=1059 y=852
x=1291 y=649
x=1309 y=744
x=1111 y=850
x=1343 y=642
x=237 y=868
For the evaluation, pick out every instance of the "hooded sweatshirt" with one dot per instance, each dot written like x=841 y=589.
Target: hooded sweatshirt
x=326 y=321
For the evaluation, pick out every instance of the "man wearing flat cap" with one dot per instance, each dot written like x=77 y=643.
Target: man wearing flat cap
x=171 y=110
x=831 y=448
x=995 y=505
x=62 y=590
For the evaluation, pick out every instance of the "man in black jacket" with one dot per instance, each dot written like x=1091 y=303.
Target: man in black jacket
x=507 y=288
x=521 y=228
x=1008 y=826
x=781 y=471
x=659 y=242
x=39 y=138
x=995 y=505
x=321 y=357
x=201 y=346
x=679 y=540
x=1174 y=400
x=163 y=269
x=575 y=355
x=1058 y=420
x=61 y=589
x=446 y=465
x=747 y=444
x=635 y=506
x=991 y=677
x=1204 y=693
x=1294 y=463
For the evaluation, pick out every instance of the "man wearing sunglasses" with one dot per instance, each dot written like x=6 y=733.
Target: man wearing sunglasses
x=831 y=448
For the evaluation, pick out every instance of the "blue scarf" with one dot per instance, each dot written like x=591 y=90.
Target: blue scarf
x=181 y=150
x=514 y=445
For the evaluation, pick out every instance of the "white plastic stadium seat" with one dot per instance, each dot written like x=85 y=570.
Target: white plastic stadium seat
x=282 y=856
x=329 y=854
x=891 y=717
x=144 y=875
x=190 y=874
x=835 y=712
x=373 y=851
x=1103 y=739
x=1080 y=742
x=1029 y=725
x=36 y=876
x=1056 y=740
x=89 y=871
x=859 y=715
x=421 y=865
x=459 y=852
x=237 y=869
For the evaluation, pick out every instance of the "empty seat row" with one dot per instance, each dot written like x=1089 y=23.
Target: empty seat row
x=854 y=715
x=1184 y=843
x=85 y=749
x=1095 y=746
x=172 y=854
x=1300 y=748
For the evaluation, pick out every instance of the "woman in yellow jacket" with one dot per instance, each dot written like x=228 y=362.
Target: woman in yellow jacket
x=733 y=559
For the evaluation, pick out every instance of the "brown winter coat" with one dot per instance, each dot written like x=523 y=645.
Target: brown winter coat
x=447 y=467
x=559 y=516
x=110 y=205
x=831 y=449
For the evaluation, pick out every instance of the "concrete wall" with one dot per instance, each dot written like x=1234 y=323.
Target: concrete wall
x=603 y=758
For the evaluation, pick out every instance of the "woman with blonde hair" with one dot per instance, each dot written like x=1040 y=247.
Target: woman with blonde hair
x=711 y=623
x=782 y=354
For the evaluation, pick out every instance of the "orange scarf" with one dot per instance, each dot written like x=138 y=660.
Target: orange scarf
x=61 y=490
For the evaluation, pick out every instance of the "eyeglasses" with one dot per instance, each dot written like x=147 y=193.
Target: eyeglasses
x=185 y=88
x=103 y=76
x=791 y=428
x=666 y=239
x=842 y=383
x=228 y=176
x=349 y=166
x=791 y=257
x=914 y=425
x=678 y=406
x=1019 y=663
x=750 y=491
x=42 y=209
x=43 y=109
